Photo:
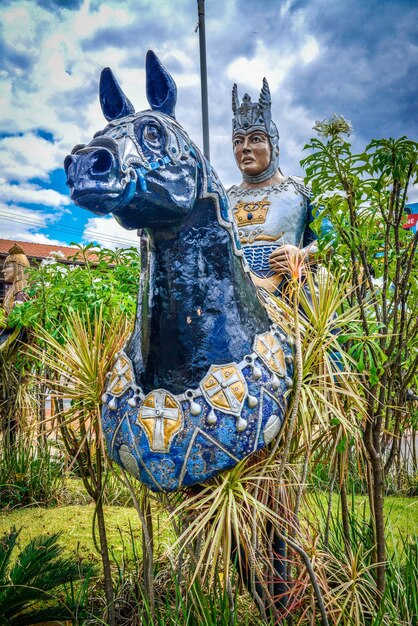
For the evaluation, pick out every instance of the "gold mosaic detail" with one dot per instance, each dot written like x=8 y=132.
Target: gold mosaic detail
x=225 y=388
x=269 y=350
x=247 y=213
x=161 y=417
x=122 y=376
x=256 y=236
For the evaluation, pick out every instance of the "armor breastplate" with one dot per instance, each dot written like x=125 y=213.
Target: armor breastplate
x=269 y=217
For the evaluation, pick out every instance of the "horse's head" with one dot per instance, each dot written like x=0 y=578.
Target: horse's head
x=142 y=167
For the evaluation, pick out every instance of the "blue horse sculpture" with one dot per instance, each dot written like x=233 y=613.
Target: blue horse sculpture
x=201 y=383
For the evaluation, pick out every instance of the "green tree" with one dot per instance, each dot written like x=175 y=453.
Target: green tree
x=364 y=196
x=77 y=318
x=96 y=280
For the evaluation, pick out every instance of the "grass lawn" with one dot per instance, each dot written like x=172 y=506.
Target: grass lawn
x=75 y=523
x=401 y=514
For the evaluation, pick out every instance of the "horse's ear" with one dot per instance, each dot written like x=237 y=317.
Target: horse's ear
x=161 y=88
x=113 y=101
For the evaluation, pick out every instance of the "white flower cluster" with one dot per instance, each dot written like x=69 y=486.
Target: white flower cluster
x=333 y=127
x=48 y=261
x=57 y=254
x=51 y=263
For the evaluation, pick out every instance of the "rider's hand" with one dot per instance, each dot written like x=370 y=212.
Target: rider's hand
x=285 y=259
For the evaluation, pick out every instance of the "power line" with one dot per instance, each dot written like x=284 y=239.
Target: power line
x=87 y=233
x=94 y=235
x=33 y=222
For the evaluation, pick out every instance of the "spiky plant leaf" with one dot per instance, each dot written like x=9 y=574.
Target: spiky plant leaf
x=228 y=510
x=239 y=506
x=78 y=368
x=30 y=580
x=332 y=403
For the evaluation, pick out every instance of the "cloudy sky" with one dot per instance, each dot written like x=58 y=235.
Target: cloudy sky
x=354 y=57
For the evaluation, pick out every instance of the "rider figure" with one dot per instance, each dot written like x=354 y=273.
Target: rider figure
x=272 y=212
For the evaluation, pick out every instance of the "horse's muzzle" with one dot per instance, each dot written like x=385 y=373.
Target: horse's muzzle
x=93 y=177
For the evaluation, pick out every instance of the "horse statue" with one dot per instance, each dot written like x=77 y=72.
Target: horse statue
x=202 y=381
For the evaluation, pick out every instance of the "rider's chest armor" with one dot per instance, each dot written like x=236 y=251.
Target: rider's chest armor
x=269 y=217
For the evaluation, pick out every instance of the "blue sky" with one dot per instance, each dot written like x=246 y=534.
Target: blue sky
x=353 y=57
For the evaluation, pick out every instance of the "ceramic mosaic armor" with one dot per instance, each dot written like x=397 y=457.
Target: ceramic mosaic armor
x=271 y=216
x=169 y=441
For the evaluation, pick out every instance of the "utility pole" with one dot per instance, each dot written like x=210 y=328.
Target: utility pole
x=203 y=77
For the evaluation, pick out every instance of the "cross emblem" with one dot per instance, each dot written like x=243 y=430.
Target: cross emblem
x=161 y=417
x=225 y=388
x=270 y=351
x=122 y=376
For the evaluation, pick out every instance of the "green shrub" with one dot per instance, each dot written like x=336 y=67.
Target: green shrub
x=32 y=582
x=30 y=475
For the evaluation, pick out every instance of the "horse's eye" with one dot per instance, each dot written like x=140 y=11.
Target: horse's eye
x=152 y=133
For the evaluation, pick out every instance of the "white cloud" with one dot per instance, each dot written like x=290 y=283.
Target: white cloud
x=28 y=156
x=84 y=22
x=310 y=50
x=275 y=64
x=21 y=224
x=265 y=62
x=32 y=194
x=286 y=5
x=41 y=238
x=413 y=194
x=107 y=232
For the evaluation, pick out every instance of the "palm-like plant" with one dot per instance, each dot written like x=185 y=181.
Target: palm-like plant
x=31 y=580
x=261 y=496
x=15 y=398
x=331 y=406
x=78 y=364
x=350 y=586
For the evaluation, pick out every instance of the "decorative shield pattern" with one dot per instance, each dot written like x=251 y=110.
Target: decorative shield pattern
x=122 y=376
x=225 y=388
x=269 y=350
x=161 y=418
x=171 y=441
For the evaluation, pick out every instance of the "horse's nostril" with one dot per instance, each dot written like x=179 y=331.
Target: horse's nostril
x=101 y=161
x=70 y=183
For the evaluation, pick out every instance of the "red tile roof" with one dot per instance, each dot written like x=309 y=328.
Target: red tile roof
x=39 y=250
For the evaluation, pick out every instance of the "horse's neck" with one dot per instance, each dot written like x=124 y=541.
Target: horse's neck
x=198 y=306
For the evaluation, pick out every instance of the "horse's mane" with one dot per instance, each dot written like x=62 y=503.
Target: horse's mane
x=211 y=186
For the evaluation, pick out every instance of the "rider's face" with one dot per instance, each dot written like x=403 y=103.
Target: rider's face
x=252 y=152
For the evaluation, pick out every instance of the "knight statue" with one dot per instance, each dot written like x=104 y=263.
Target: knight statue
x=272 y=212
